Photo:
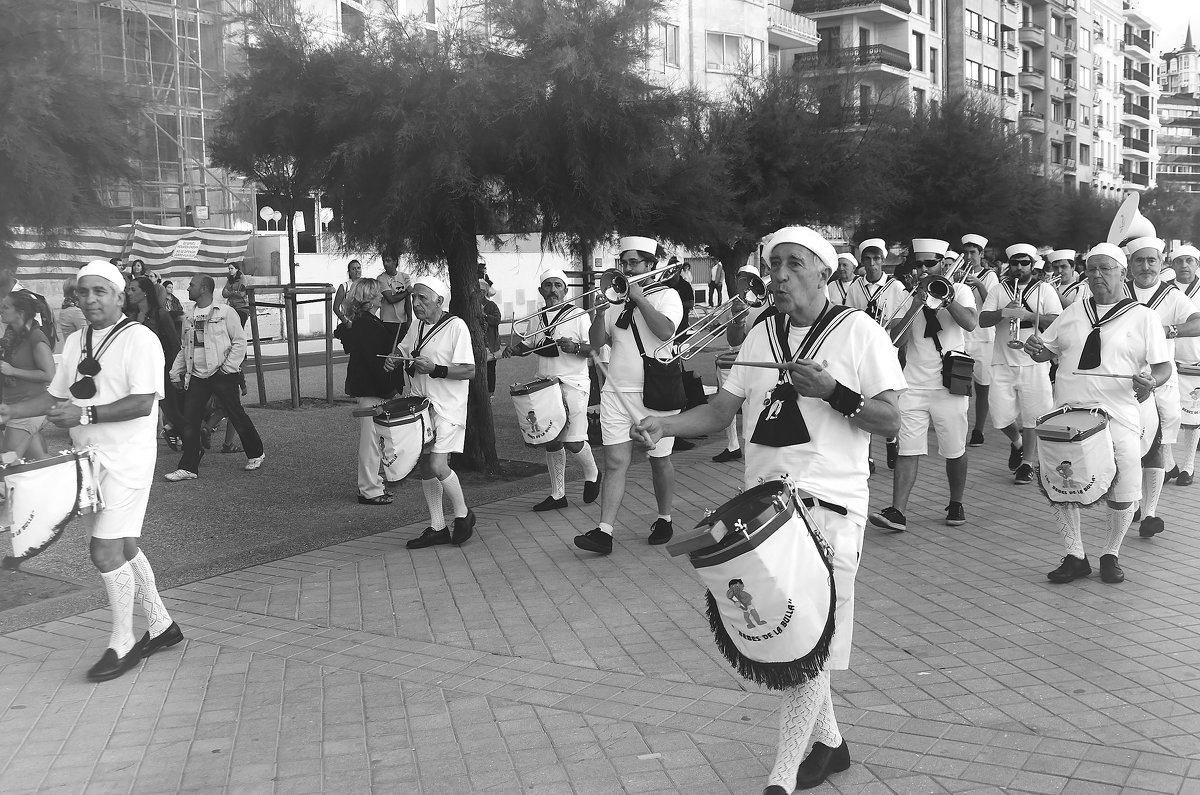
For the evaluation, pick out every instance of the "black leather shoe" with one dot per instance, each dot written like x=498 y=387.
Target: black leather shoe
x=661 y=532
x=1184 y=479
x=163 y=640
x=111 y=666
x=591 y=489
x=1023 y=475
x=464 y=528
x=728 y=455
x=1169 y=476
x=1150 y=527
x=551 y=504
x=595 y=540
x=429 y=538
x=775 y=789
x=976 y=439
x=1072 y=568
x=1110 y=570
x=821 y=763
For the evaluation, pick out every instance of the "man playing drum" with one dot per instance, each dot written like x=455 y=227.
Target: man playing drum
x=1020 y=388
x=442 y=366
x=562 y=353
x=1185 y=260
x=982 y=280
x=1095 y=339
x=1179 y=318
x=845 y=392
x=106 y=394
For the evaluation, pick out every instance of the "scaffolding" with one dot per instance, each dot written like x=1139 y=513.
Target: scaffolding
x=174 y=56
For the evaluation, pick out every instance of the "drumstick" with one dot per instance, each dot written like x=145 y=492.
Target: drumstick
x=395 y=356
x=1104 y=375
x=771 y=365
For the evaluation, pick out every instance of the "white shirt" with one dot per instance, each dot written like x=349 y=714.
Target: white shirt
x=132 y=365
x=1071 y=293
x=397 y=312
x=888 y=294
x=1187 y=349
x=451 y=344
x=981 y=334
x=838 y=291
x=923 y=367
x=569 y=368
x=1038 y=297
x=1128 y=345
x=833 y=465
x=625 y=364
x=1174 y=310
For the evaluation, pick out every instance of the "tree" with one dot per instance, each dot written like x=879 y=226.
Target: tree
x=1172 y=212
x=63 y=130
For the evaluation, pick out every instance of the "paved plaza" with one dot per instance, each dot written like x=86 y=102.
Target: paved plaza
x=518 y=664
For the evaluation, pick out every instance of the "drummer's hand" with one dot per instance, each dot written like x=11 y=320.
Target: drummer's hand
x=65 y=414
x=424 y=365
x=1034 y=346
x=647 y=433
x=1143 y=385
x=811 y=379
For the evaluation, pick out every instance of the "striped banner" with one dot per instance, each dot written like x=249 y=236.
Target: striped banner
x=182 y=251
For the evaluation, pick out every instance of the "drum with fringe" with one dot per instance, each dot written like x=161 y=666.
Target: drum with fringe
x=403 y=427
x=1076 y=462
x=541 y=410
x=45 y=495
x=1189 y=393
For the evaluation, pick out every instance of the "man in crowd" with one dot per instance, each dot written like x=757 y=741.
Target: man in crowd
x=931 y=334
x=107 y=395
x=1060 y=265
x=980 y=277
x=442 y=366
x=559 y=337
x=1020 y=388
x=845 y=388
x=635 y=329
x=395 y=286
x=1185 y=260
x=838 y=288
x=209 y=364
x=1098 y=335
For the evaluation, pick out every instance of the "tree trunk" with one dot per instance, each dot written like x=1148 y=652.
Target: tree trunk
x=479 y=449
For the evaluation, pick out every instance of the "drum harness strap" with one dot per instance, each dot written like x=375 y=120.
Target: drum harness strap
x=424 y=335
x=1190 y=290
x=1023 y=296
x=549 y=347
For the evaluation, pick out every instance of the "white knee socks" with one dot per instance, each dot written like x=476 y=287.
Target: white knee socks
x=1152 y=483
x=1067 y=517
x=433 y=499
x=797 y=717
x=147 y=595
x=586 y=460
x=1168 y=452
x=826 y=731
x=1118 y=525
x=731 y=436
x=454 y=491
x=120 y=585
x=556 y=463
x=1188 y=438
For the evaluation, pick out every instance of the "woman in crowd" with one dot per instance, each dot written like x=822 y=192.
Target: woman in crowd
x=27 y=364
x=70 y=317
x=143 y=305
x=234 y=292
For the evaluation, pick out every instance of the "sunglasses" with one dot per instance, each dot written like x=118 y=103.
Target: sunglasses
x=85 y=387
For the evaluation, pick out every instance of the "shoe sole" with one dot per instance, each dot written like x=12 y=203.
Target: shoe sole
x=884 y=524
x=586 y=547
x=1112 y=580
x=1072 y=578
x=121 y=671
x=956 y=522
x=1022 y=481
x=153 y=647
x=658 y=541
x=543 y=508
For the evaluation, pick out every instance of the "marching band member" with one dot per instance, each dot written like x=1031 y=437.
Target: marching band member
x=843 y=277
x=1020 y=390
x=1185 y=260
x=562 y=353
x=932 y=334
x=1061 y=264
x=981 y=279
x=735 y=334
x=842 y=387
x=644 y=322
x=443 y=366
x=1179 y=318
x=1105 y=334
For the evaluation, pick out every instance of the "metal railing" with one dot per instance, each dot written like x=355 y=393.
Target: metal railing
x=1137 y=76
x=872 y=55
x=1136 y=144
x=1134 y=40
x=817 y=6
x=1137 y=110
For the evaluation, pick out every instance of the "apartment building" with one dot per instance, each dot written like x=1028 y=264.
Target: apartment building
x=1179 y=119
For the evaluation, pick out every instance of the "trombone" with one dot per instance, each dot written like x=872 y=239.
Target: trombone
x=939 y=293
x=752 y=291
x=614 y=288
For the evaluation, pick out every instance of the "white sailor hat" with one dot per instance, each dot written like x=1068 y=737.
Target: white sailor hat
x=1021 y=250
x=975 y=240
x=872 y=242
x=1185 y=251
x=848 y=257
x=552 y=273
x=434 y=285
x=1060 y=254
x=1166 y=275
x=1109 y=250
x=647 y=245
x=929 y=245
x=1139 y=243
x=804 y=236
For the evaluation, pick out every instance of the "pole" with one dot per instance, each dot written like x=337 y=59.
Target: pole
x=258 y=371
x=293 y=348
x=328 y=346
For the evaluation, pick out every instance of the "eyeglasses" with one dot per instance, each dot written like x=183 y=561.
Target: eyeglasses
x=85 y=387
x=929 y=263
x=1020 y=261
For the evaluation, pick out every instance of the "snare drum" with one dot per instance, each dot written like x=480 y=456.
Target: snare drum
x=1189 y=392
x=541 y=410
x=769 y=574
x=44 y=495
x=1076 y=463
x=403 y=427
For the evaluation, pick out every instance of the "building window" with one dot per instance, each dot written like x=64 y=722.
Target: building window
x=933 y=64
x=728 y=53
x=918 y=52
x=1056 y=67
x=1056 y=153
x=671 y=45
x=1056 y=111
x=1085 y=155
x=991 y=80
x=974 y=25
x=918 y=7
x=991 y=32
x=919 y=99
x=1085 y=77
x=1085 y=39
x=974 y=74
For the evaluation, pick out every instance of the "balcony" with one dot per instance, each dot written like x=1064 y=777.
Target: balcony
x=1032 y=121
x=1135 y=148
x=1032 y=34
x=1070 y=165
x=1032 y=77
x=1142 y=180
x=1070 y=48
x=1099 y=164
x=1099 y=122
x=1099 y=80
x=1135 y=115
x=874 y=10
x=1013 y=4
x=1072 y=7
x=1137 y=45
x=1137 y=82
x=876 y=55
x=787 y=30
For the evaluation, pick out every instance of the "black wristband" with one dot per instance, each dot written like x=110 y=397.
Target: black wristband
x=439 y=371
x=846 y=401
x=93 y=418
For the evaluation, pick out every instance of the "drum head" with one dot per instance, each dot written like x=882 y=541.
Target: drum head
x=528 y=388
x=403 y=406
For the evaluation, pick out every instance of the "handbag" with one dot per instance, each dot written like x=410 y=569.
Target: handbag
x=662 y=388
x=957 y=372
x=693 y=388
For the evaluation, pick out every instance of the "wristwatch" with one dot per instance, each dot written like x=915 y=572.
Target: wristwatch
x=85 y=415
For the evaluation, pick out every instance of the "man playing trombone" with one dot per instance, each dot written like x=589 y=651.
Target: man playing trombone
x=642 y=322
x=930 y=330
x=982 y=280
x=558 y=335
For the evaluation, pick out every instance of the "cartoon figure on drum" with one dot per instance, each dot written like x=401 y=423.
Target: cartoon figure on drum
x=1102 y=335
x=106 y=393
x=838 y=380
x=558 y=336
x=442 y=363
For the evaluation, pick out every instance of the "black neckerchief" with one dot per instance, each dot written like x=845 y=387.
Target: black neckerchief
x=121 y=325
x=1090 y=356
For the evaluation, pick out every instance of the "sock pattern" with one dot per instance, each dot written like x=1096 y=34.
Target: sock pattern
x=1188 y=438
x=120 y=585
x=1067 y=518
x=586 y=460
x=1118 y=525
x=433 y=499
x=556 y=463
x=454 y=491
x=797 y=717
x=146 y=594
x=826 y=731
x=1152 y=483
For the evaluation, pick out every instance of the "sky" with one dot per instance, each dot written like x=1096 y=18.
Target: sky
x=1174 y=16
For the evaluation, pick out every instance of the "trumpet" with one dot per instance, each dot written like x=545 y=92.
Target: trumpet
x=614 y=289
x=751 y=291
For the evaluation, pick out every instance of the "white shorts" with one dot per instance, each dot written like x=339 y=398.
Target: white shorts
x=449 y=437
x=615 y=421
x=1019 y=394
x=845 y=535
x=576 y=401
x=124 y=508
x=1148 y=412
x=1127 y=448
x=981 y=352
x=1170 y=412
x=947 y=412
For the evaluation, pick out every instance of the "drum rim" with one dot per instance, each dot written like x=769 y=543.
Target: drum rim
x=529 y=387
x=403 y=406
x=22 y=465
x=1077 y=435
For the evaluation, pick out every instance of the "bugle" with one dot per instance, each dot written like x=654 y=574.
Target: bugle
x=613 y=288
x=751 y=292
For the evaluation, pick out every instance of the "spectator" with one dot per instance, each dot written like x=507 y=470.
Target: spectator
x=27 y=365
x=70 y=317
x=142 y=301
x=353 y=272
x=174 y=308
x=491 y=330
x=394 y=289
x=716 y=283
x=137 y=269
x=234 y=292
